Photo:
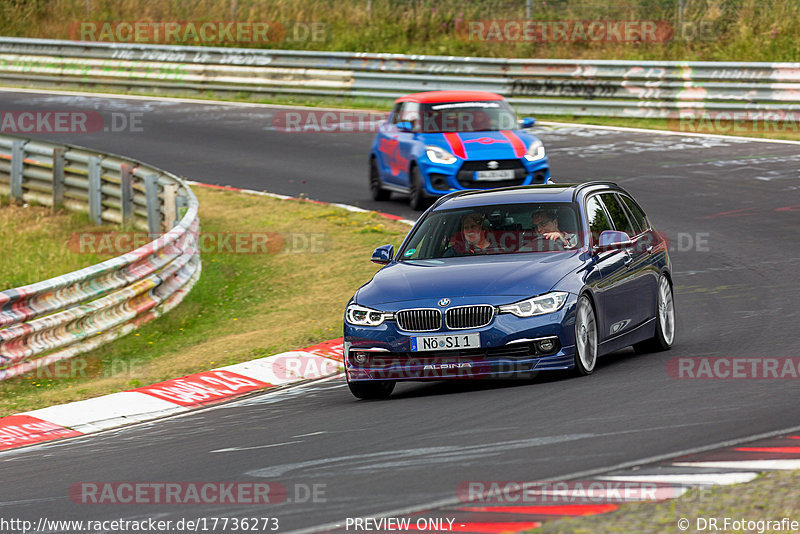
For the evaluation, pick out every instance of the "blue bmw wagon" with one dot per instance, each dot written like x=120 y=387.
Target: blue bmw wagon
x=509 y=282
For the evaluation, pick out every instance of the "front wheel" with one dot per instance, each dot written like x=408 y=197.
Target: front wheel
x=374 y=390
x=416 y=195
x=585 y=337
x=375 y=188
x=665 y=321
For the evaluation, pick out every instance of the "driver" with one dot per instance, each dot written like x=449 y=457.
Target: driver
x=473 y=237
x=545 y=224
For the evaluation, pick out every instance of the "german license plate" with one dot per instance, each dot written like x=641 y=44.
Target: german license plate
x=502 y=174
x=448 y=342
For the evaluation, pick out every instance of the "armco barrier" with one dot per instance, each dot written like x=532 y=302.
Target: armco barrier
x=59 y=318
x=538 y=86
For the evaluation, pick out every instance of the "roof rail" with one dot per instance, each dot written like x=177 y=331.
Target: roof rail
x=579 y=187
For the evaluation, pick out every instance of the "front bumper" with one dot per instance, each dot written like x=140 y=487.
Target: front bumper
x=508 y=347
x=440 y=179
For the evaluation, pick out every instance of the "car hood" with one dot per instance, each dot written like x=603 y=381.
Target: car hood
x=506 y=144
x=497 y=279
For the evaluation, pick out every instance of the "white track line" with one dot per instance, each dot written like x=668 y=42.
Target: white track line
x=758 y=465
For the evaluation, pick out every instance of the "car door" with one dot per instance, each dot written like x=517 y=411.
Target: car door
x=645 y=268
x=394 y=146
x=638 y=278
x=387 y=148
x=611 y=287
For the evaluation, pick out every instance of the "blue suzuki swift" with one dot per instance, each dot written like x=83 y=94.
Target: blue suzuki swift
x=437 y=142
x=510 y=282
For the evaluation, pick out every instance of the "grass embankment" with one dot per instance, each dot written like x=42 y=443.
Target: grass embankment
x=34 y=241
x=746 y=30
x=771 y=497
x=244 y=306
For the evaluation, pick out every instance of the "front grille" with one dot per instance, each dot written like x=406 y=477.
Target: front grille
x=420 y=320
x=466 y=176
x=469 y=316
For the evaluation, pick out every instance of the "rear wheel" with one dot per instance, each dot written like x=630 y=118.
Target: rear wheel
x=585 y=337
x=373 y=390
x=665 y=321
x=378 y=192
x=416 y=195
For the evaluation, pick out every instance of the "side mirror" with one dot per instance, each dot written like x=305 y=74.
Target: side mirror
x=527 y=122
x=405 y=126
x=612 y=240
x=383 y=254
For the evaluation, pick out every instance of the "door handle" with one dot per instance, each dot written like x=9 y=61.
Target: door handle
x=628 y=259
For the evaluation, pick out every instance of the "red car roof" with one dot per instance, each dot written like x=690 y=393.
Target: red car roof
x=429 y=97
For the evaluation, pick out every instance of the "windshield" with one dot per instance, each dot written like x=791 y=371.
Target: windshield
x=476 y=116
x=498 y=229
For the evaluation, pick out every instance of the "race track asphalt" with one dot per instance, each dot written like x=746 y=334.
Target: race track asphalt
x=730 y=207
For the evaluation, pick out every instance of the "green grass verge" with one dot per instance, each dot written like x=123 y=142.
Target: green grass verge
x=771 y=496
x=39 y=241
x=244 y=306
x=744 y=30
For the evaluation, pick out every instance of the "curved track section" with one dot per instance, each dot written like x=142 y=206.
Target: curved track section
x=731 y=208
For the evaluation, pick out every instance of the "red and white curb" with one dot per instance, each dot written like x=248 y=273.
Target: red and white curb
x=497 y=510
x=170 y=397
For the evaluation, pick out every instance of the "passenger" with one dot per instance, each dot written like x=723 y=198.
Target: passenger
x=545 y=224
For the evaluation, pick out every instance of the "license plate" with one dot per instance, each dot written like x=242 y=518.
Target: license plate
x=502 y=174
x=449 y=342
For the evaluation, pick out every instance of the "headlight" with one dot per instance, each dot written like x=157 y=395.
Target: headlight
x=439 y=155
x=547 y=303
x=535 y=151
x=361 y=316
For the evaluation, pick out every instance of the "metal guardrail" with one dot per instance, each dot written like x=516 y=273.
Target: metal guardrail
x=56 y=319
x=538 y=86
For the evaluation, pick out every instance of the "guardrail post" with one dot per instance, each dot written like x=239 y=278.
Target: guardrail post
x=95 y=200
x=170 y=207
x=153 y=208
x=17 y=161
x=126 y=192
x=58 y=177
x=181 y=204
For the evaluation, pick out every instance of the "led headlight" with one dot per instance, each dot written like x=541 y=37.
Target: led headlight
x=439 y=155
x=535 y=151
x=547 y=303
x=361 y=316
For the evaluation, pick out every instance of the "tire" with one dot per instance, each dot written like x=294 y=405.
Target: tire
x=375 y=390
x=378 y=192
x=585 y=337
x=665 y=321
x=417 y=198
